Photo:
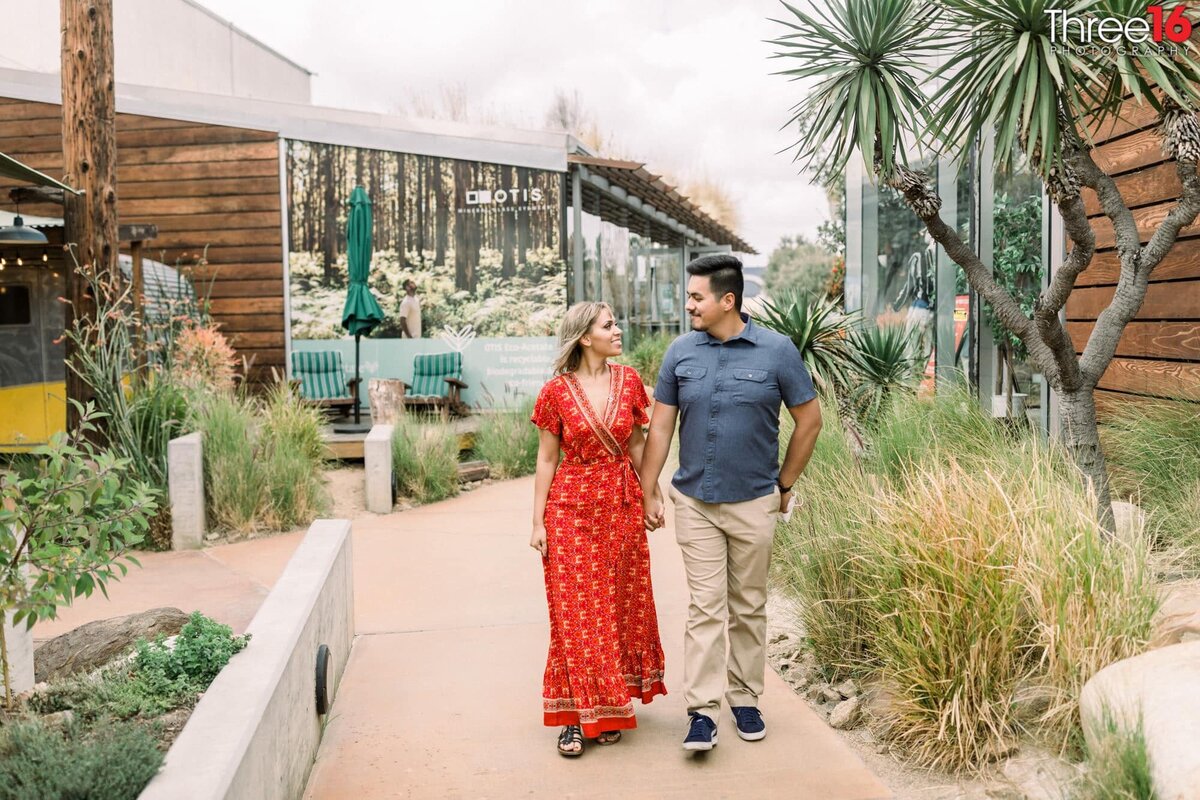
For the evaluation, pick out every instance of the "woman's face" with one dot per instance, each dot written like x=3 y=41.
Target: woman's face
x=605 y=337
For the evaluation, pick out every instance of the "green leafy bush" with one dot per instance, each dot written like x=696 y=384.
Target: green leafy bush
x=106 y=762
x=508 y=442
x=67 y=526
x=157 y=680
x=202 y=649
x=425 y=460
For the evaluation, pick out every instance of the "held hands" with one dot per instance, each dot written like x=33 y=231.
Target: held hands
x=538 y=540
x=654 y=511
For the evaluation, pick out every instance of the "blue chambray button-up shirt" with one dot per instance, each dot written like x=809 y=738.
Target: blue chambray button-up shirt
x=728 y=394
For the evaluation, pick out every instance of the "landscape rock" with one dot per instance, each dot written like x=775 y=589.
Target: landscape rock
x=830 y=695
x=1159 y=691
x=96 y=643
x=845 y=714
x=846 y=688
x=1037 y=775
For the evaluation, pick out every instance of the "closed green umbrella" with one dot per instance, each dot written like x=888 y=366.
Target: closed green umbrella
x=361 y=313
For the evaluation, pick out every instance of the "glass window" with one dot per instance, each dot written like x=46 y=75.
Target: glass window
x=14 y=305
x=1017 y=265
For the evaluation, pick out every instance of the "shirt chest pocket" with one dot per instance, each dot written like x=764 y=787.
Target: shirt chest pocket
x=753 y=387
x=690 y=380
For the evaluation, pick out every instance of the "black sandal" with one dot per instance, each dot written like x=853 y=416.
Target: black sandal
x=571 y=734
x=608 y=737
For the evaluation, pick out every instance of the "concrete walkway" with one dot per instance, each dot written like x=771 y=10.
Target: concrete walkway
x=441 y=698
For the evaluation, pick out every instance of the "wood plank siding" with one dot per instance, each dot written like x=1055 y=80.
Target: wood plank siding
x=1159 y=353
x=214 y=193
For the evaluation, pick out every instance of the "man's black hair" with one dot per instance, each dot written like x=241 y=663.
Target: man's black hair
x=724 y=273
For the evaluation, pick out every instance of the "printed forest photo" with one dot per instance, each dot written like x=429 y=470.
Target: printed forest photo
x=482 y=242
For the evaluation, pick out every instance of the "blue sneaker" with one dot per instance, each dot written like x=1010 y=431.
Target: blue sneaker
x=750 y=725
x=702 y=733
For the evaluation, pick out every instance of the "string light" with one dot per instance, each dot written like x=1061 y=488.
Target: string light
x=45 y=257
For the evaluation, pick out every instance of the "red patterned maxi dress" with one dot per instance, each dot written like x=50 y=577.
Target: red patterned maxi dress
x=604 y=645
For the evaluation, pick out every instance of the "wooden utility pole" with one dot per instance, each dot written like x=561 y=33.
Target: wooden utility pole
x=89 y=136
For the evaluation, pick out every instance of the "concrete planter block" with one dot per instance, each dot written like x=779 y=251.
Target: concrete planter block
x=19 y=641
x=185 y=484
x=1160 y=691
x=377 y=457
x=255 y=732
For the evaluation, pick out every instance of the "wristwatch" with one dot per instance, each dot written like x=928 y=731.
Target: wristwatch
x=782 y=488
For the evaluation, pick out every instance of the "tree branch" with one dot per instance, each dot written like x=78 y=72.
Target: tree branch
x=1183 y=214
x=1054 y=296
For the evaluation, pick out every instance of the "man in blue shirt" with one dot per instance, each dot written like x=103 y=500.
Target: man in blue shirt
x=725 y=381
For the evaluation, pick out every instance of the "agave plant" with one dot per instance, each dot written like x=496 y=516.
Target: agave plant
x=884 y=364
x=818 y=328
x=1021 y=70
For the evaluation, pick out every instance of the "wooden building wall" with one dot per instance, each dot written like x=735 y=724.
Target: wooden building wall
x=1159 y=353
x=204 y=186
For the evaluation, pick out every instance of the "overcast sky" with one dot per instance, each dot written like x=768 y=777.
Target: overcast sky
x=683 y=85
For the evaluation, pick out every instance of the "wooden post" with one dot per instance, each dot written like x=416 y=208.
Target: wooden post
x=89 y=158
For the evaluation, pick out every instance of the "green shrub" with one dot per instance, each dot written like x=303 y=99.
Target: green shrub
x=647 y=355
x=202 y=649
x=425 y=460
x=107 y=762
x=262 y=461
x=961 y=572
x=294 y=454
x=920 y=431
x=817 y=553
x=235 y=483
x=1153 y=450
x=158 y=679
x=508 y=442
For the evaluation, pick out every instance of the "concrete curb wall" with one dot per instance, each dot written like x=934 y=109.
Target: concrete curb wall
x=185 y=485
x=255 y=732
x=377 y=458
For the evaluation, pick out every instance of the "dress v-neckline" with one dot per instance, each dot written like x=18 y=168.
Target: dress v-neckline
x=602 y=418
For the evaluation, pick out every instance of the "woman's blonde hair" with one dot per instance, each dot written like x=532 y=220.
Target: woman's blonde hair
x=575 y=325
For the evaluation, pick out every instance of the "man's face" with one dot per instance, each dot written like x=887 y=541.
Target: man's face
x=703 y=307
x=410 y=288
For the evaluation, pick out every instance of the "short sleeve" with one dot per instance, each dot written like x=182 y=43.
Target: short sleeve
x=638 y=400
x=795 y=384
x=666 y=390
x=545 y=410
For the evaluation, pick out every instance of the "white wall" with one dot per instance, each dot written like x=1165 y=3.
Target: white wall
x=172 y=44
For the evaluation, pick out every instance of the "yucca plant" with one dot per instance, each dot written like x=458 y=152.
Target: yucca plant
x=819 y=330
x=884 y=366
x=1005 y=69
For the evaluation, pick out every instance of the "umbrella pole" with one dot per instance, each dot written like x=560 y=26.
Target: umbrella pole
x=357 y=383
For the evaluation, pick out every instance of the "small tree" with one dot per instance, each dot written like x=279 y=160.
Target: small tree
x=1042 y=92
x=67 y=524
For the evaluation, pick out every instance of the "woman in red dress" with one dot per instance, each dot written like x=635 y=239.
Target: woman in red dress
x=588 y=526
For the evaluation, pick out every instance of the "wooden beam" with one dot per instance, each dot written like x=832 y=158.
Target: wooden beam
x=137 y=232
x=36 y=194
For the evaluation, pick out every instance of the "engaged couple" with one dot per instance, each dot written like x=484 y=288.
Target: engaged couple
x=597 y=495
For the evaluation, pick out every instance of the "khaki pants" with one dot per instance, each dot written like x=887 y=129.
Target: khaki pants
x=727 y=553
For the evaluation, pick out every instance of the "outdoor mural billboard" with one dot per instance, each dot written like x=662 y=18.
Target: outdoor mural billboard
x=466 y=256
